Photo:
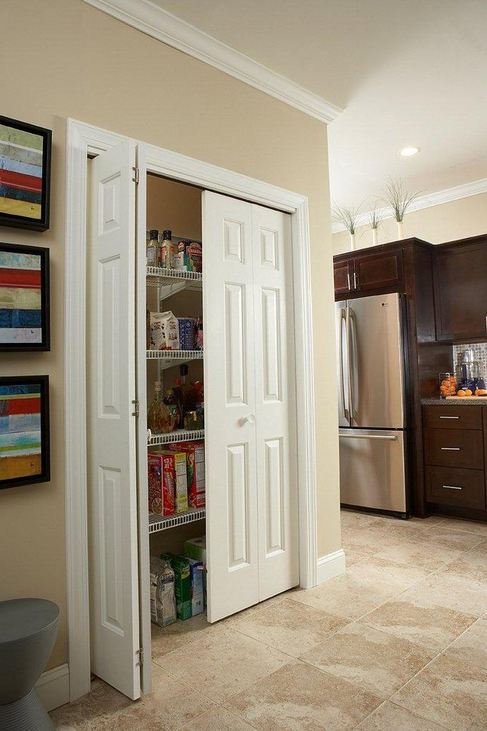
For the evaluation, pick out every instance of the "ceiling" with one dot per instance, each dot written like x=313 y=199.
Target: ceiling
x=406 y=72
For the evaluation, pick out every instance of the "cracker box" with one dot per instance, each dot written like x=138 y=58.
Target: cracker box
x=196 y=548
x=162 y=497
x=195 y=465
x=175 y=476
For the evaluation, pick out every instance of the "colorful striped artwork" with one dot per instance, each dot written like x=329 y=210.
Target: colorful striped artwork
x=20 y=431
x=20 y=298
x=21 y=156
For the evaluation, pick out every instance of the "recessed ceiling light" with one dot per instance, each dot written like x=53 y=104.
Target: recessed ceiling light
x=409 y=151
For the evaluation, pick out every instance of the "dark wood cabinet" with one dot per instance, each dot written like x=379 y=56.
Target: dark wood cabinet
x=460 y=279
x=343 y=273
x=378 y=271
x=455 y=447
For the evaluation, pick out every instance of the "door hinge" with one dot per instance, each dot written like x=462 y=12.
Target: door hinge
x=136 y=410
x=140 y=657
x=136 y=177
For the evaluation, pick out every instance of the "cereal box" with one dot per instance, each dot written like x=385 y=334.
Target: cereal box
x=195 y=465
x=162 y=497
x=175 y=476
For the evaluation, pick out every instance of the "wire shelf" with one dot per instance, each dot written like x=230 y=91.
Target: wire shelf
x=159 y=523
x=181 y=435
x=172 y=280
x=170 y=358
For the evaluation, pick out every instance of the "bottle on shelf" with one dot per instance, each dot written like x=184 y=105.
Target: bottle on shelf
x=159 y=418
x=152 y=248
x=167 y=251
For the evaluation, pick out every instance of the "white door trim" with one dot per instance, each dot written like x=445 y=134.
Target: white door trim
x=83 y=140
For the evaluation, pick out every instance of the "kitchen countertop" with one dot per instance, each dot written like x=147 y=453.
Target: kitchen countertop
x=466 y=401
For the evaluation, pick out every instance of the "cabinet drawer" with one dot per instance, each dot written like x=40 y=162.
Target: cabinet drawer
x=456 y=487
x=454 y=448
x=452 y=417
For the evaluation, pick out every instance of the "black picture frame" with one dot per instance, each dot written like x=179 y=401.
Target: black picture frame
x=44 y=474
x=18 y=182
x=44 y=343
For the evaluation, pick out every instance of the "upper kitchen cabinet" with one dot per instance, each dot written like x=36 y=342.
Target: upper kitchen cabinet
x=378 y=271
x=460 y=281
x=369 y=271
x=343 y=274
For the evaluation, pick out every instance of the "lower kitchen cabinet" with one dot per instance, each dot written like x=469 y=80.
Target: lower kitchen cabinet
x=455 y=449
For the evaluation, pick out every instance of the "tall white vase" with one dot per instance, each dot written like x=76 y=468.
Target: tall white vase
x=375 y=237
x=400 y=231
x=352 y=242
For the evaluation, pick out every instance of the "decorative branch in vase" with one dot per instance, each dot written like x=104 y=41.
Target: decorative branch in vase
x=375 y=219
x=347 y=217
x=399 y=199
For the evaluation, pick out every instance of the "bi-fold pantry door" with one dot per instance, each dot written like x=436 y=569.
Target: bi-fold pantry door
x=250 y=413
x=250 y=408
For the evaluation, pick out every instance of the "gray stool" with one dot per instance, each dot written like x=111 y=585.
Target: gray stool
x=28 y=629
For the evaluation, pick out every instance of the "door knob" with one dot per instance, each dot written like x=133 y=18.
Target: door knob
x=249 y=419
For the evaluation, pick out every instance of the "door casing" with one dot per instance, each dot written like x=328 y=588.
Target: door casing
x=83 y=141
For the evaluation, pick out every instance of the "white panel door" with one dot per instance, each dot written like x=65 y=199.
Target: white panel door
x=250 y=409
x=232 y=520
x=111 y=425
x=275 y=402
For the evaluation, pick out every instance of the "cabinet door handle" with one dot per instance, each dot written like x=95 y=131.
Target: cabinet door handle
x=348 y=281
x=450 y=449
x=449 y=417
x=355 y=284
x=452 y=487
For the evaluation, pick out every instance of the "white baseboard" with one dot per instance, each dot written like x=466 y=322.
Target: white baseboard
x=331 y=565
x=53 y=687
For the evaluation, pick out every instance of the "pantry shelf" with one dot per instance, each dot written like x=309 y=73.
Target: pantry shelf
x=159 y=523
x=181 y=435
x=171 y=281
x=170 y=358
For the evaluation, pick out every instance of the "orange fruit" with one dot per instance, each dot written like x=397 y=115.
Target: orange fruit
x=468 y=392
x=461 y=393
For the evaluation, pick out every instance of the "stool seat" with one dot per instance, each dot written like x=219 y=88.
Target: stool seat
x=28 y=629
x=22 y=618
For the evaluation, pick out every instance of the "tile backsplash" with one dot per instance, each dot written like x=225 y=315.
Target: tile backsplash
x=480 y=351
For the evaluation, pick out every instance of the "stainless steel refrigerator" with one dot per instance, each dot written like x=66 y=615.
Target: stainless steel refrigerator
x=371 y=403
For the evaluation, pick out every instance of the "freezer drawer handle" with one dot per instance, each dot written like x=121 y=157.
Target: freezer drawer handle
x=450 y=449
x=388 y=437
x=452 y=487
x=449 y=417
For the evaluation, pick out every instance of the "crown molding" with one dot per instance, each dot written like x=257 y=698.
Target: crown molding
x=158 y=23
x=425 y=201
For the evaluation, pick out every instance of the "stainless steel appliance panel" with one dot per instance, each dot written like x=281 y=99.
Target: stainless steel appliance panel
x=375 y=362
x=372 y=473
x=342 y=369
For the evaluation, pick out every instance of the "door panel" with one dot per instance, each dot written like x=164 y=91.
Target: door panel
x=342 y=275
x=229 y=363
x=275 y=407
x=377 y=363
x=376 y=271
x=112 y=482
x=372 y=469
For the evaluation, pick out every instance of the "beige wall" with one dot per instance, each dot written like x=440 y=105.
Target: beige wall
x=446 y=222
x=77 y=62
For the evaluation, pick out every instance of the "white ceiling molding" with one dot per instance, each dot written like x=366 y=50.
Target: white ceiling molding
x=166 y=27
x=425 y=201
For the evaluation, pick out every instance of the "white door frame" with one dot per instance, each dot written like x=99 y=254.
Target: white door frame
x=83 y=140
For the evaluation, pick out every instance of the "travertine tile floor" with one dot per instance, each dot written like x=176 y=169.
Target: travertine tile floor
x=397 y=644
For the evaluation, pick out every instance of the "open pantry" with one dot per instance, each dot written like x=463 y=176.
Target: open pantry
x=193 y=443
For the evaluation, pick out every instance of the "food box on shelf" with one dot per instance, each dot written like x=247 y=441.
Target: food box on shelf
x=187 y=333
x=195 y=466
x=182 y=583
x=196 y=548
x=175 y=474
x=197 y=586
x=162 y=596
x=162 y=498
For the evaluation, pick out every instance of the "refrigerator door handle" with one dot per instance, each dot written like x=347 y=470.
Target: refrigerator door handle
x=387 y=437
x=353 y=364
x=344 y=391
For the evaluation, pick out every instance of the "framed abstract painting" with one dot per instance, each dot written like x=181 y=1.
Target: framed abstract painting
x=24 y=298
x=25 y=174
x=24 y=430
